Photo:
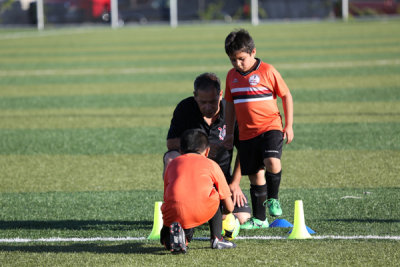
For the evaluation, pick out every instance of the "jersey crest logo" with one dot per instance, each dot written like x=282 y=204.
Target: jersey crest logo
x=254 y=79
x=222 y=132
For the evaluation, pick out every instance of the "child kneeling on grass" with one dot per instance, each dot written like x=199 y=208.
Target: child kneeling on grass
x=194 y=188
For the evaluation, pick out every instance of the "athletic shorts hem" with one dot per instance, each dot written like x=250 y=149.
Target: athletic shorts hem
x=252 y=152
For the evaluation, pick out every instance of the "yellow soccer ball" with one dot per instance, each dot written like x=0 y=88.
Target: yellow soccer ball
x=230 y=227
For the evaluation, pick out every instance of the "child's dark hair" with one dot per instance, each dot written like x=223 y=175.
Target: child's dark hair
x=239 y=41
x=207 y=81
x=194 y=141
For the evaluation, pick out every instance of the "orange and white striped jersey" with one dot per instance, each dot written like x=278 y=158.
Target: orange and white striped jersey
x=254 y=97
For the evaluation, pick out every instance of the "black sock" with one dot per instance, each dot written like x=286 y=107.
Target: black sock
x=273 y=182
x=258 y=195
x=215 y=224
x=165 y=237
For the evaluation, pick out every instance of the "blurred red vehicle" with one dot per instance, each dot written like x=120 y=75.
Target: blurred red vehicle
x=73 y=11
x=373 y=7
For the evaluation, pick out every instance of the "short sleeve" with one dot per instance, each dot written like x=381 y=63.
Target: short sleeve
x=177 y=126
x=228 y=95
x=279 y=84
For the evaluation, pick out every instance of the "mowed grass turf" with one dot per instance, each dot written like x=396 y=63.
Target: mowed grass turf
x=84 y=115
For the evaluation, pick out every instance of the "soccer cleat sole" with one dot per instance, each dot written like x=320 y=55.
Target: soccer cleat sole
x=177 y=237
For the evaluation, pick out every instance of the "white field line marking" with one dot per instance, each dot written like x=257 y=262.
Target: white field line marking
x=365 y=237
x=118 y=239
x=72 y=239
x=340 y=64
x=129 y=71
x=99 y=71
x=37 y=34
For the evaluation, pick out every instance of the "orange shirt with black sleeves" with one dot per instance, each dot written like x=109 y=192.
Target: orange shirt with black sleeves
x=193 y=188
x=254 y=95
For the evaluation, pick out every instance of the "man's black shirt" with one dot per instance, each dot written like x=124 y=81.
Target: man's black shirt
x=187 y=115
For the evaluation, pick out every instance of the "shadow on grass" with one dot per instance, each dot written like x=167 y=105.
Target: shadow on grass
x=77 y=225
x=127 y=248
x=154 y=248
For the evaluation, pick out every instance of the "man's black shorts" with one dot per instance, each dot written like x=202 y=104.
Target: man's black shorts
x=245 y=208
x=252 y=152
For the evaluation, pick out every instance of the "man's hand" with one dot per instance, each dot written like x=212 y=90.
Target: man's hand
x=230 y=125
x=238 y=197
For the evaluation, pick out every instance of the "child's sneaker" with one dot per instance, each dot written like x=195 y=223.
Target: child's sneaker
x=221 y=244
x=254 y=223
x=274 y=207
x=177 y=238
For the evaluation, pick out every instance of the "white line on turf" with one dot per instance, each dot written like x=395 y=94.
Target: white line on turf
x=339 y=64
x=366 y=237
x=119 y=239
x=37 y=34
x=72 y=239
x=129 y=71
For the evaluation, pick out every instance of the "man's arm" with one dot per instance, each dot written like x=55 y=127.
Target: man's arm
x=173 y=136
x=287 y=103
x=230 y=124
x=237 y=194
x=173 y=143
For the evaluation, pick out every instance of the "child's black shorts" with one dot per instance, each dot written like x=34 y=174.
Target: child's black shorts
x=252 y=152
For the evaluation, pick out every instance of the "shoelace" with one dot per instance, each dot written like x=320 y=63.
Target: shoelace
x=255 y=223
x=252 y=222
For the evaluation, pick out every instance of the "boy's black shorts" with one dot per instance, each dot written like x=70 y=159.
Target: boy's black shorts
x=252 y=152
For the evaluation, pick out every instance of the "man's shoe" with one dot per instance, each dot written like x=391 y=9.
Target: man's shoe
x=177 y=238
x=221 y=244
x=274 y=207
x=254 y=223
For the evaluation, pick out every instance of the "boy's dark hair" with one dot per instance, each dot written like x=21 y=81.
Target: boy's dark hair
x=239 y=41
x=207 y=81
x=193 y=141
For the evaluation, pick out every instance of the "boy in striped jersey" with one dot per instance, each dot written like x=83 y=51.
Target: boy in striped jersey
x=252 y=88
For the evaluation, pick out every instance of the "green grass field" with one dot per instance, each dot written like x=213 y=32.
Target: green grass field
x=84 y=115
